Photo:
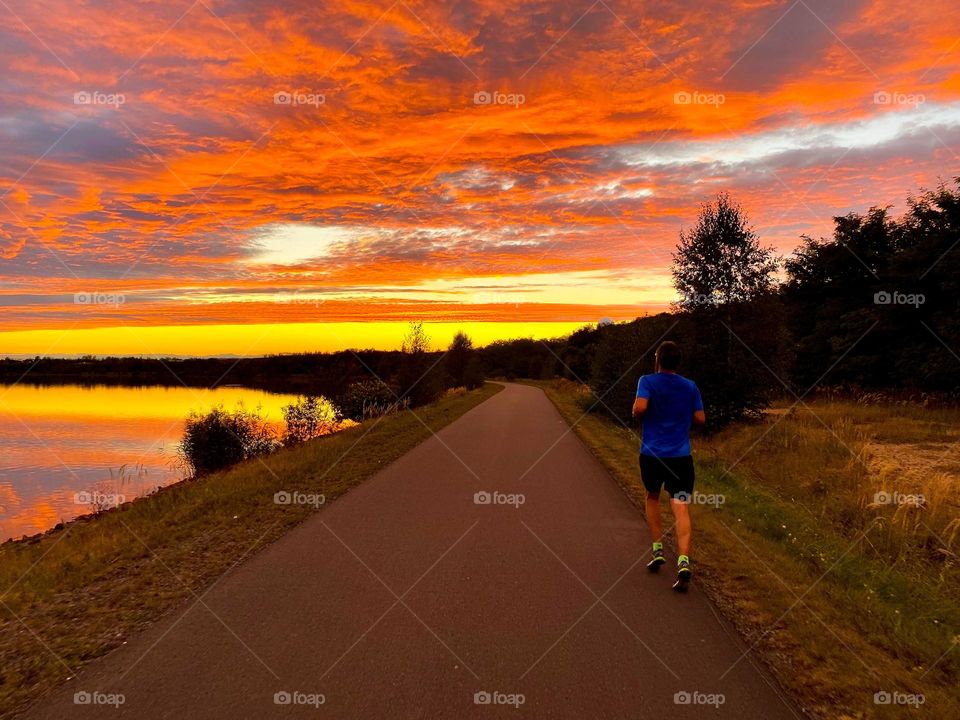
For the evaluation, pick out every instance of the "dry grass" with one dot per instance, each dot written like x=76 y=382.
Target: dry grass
x=841 y=595
x=75 y=593
x=894 y=466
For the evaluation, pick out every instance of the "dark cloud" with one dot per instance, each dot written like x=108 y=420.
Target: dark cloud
x=785 y=40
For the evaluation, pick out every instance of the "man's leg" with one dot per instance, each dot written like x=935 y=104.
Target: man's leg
x=650 y=473
x=680 y=488
x=653 y=516
x=656 y=531
x=681 y=513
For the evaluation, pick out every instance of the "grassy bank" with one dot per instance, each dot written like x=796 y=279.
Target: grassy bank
x=73 y=594
x=835 y=549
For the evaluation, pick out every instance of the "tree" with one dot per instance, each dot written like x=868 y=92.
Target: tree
x=876 y=304
x=725 y=280
x=829 y=294
x=416 y=341
x=458 y=356
x=420 y=379
x=721 y=260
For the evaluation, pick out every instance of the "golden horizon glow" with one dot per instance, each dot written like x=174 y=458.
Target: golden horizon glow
x=261 y=339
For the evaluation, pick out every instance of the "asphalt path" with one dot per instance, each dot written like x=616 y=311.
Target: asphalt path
x=411 y=597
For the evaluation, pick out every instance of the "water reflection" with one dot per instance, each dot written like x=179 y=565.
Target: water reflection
x=57 y=441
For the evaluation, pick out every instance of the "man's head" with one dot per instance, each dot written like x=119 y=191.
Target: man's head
x=669 y=356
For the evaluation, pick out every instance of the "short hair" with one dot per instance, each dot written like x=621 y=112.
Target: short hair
x=669 y=355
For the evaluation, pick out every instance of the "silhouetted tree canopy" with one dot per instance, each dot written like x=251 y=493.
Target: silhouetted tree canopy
x=721 y=260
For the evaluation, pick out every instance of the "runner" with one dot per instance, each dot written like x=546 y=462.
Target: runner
x=668 y=404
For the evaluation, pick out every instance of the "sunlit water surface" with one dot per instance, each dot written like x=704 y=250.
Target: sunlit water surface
x=63 y=446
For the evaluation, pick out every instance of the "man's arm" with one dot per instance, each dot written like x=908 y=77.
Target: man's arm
x=639 y=407
x=699 y=416
x=643 y=395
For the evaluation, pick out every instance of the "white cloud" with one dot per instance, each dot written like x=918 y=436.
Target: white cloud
x=881 y=129
x=293 y=243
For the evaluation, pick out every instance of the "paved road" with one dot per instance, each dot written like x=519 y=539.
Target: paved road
x=405 y=598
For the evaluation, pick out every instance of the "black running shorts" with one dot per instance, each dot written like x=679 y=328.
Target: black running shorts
x=674 y=473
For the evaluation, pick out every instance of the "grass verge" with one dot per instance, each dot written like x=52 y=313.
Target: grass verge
x=850 y=602
x=75 y=593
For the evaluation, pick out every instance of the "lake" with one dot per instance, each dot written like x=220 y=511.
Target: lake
x=66 y=448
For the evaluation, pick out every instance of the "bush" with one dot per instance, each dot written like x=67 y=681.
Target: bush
x=366 y=399
x=308 y=418
x=221 y=438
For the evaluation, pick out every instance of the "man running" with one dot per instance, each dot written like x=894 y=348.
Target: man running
x=668 y=404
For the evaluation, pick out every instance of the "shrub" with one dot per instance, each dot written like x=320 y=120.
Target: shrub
x=308 y=418
x=367 y=398
x=221 y=438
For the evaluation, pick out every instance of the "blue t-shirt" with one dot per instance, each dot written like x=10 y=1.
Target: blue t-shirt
x=671 y=401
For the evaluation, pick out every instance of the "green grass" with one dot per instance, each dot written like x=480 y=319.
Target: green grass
x=75 y=593
x=842 y=598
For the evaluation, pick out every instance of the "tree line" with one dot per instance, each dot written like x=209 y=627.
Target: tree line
x=874 y=306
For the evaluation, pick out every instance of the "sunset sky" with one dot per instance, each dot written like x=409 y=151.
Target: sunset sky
x=323 y=172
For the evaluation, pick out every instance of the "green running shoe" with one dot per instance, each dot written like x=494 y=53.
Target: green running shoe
x=658 y=558
x=683 y=574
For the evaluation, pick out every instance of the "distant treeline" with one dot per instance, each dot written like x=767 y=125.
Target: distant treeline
x=308 y=373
